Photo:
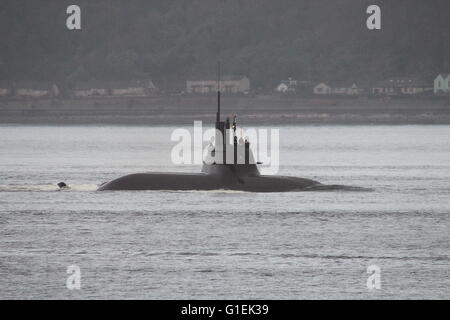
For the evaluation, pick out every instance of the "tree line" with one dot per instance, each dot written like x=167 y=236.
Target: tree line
x=266 y=40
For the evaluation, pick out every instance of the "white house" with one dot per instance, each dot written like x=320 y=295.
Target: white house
x=282 y=87
x=322 y=89
x=289 y=85
x=442 y=84
x=336 y=88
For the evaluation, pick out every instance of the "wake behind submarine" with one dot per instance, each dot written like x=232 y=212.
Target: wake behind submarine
x=220 y=172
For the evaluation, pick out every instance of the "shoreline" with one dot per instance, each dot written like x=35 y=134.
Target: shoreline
x=259 y=110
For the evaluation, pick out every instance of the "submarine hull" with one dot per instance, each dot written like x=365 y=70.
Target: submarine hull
x=205 y=181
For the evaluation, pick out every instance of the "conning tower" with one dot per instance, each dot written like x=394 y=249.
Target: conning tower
x=229 y=151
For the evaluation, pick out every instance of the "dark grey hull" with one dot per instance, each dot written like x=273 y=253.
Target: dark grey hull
x=220 y=177
x=202 y=181
x=212 y=177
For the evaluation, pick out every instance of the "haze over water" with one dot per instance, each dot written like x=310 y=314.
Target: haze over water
x=224 y=244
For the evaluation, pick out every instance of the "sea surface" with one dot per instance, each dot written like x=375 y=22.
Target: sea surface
x=225 y=244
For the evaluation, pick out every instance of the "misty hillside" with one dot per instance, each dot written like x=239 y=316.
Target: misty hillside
x=267 y=40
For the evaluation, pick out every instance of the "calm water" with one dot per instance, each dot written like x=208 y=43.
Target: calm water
x=223 y=244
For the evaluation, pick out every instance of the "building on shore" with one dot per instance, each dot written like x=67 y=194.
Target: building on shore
x=5 y=89
x=137 y=88
x=442 y=84
x=287 y=86
x=122 y=88
x=297 y=87
x=90 y=88
x=228 y=84
x=342 y=88
x=401 y=86
x=35 y=89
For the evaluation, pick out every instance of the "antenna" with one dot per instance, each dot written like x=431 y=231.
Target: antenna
x=218 y=92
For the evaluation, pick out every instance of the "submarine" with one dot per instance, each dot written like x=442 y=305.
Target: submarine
x=219 y=172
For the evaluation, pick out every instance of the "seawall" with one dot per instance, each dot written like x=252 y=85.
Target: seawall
x=182 y=110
